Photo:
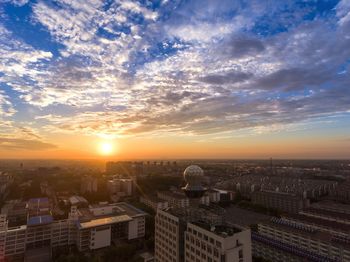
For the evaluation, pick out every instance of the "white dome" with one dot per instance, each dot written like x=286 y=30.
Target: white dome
x=193 y=171
x=193 y=176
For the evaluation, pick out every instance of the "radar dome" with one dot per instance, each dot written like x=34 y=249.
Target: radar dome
x=193 y=176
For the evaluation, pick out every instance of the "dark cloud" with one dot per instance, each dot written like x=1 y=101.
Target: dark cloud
x=173 y=98
x=241 y=47
x=294 y=79
x=226 y=78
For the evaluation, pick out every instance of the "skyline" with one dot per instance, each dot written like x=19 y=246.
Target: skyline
x=174 y=79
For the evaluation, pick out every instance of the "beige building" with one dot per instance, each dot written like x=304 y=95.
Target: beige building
x=195 y=234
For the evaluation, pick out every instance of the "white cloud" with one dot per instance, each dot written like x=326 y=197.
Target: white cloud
x=6 y=107
x=221 y=77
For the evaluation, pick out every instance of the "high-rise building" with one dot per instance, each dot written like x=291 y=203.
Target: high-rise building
x=198 y=233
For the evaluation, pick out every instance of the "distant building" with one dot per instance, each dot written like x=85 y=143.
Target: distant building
x=78 y=201
x=280 y=200
x=89 y=185
x=120 y=186
x=226 y=195
x=15 y=211
x=5 y=181
x=341 y=192
x=214 y=195
x=154 y=202
x=140 y=168
x=306 y=188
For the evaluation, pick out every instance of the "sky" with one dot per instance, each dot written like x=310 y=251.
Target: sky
x=174 y=79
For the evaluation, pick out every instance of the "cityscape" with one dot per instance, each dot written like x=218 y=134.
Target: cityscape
x=174 y=131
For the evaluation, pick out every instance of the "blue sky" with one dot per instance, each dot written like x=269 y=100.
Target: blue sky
x=202 y=69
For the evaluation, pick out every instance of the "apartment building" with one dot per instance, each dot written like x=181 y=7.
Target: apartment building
x=195 y=234
x=280 y=200
x=120 y=186
x=154 y=202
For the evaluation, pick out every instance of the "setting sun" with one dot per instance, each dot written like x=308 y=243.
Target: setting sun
x=106 y=148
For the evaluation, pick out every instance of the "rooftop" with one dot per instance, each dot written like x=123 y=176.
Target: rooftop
x=153 y=198
x=39 y=220
x=177 y=195
x=38 y=200
x=118 y=209
x=220 y=230
x=327 y=213
x=320 y=222
x=104 y=221
x=306 y=231
x=197 y=214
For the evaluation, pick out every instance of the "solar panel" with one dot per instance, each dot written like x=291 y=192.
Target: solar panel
x=39 y=220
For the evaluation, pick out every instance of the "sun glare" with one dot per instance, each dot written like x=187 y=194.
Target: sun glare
x=106 y=148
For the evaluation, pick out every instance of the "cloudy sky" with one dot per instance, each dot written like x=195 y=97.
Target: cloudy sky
x=175 y=79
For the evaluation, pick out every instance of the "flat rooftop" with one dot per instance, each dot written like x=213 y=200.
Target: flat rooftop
x=309 y=232
x=153 y=198
x=121 y=208
x=104 y=221
x=38 y=200
x=319 y=222
x=177 y=195
x=39 y=220
x=219 y=230
x=327 y=213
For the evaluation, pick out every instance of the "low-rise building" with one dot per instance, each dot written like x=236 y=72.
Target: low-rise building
x=214 y=195
x=5 y=181
x=86 y=228
x=154 y=202
x=15 y=211
x=78 y=201
x=279 y=200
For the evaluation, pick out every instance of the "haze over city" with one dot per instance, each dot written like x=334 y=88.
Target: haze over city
x=174 y=79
